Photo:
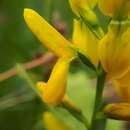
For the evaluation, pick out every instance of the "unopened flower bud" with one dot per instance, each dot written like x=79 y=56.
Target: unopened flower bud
x=119 y=111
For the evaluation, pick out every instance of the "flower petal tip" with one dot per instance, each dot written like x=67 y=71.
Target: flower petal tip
x=28 y=14
x=28 y=11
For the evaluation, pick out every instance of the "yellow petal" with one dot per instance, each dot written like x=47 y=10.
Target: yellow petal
x=85 y=40
x=51 y=38
x=110 y=7
x=76 y=5
x=54 y=89
x=122 y=86
x=119 y=111
x=114 y=50
x=52 y=123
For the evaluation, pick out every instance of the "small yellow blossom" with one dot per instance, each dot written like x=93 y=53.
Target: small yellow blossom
x=111 y=7
x=52 y=123
x=114 y=49
x=119 y=111
x=51 y=38
x=86 y=41
x=53 y=91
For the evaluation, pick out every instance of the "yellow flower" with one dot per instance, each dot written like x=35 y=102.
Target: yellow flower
x=122 y=86
x=114 y=49
x=51 y=38
x=52 y=123
x=85 y=40
x=111 y=7
x=53 y=91
x=119 y=111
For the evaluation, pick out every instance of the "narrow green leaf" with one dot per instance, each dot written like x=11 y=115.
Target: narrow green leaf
x=14 y=101
x=86 y=61
x=23 y=74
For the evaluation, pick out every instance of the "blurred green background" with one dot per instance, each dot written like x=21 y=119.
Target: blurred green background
x=19 y=45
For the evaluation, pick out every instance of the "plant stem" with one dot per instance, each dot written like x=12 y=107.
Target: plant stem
x=43 y=60
x=98 y=99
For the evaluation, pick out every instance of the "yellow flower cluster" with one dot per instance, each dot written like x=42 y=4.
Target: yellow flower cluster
x=112 y=51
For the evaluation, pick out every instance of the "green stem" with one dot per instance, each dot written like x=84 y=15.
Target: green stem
x=98 y=99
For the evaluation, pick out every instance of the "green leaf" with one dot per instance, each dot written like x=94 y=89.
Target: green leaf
x=86 y=61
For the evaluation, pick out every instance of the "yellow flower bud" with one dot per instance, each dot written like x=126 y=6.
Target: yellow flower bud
x=114 y=50
x=111 y=7
x=122 y=86
x=51 y=38
x=52 y=123
x=118 y=111
x=86 y=41
x=76 y=5
x=54 y=90
x=83 y=9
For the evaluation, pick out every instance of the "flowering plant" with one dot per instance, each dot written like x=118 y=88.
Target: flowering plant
x=105 y=53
